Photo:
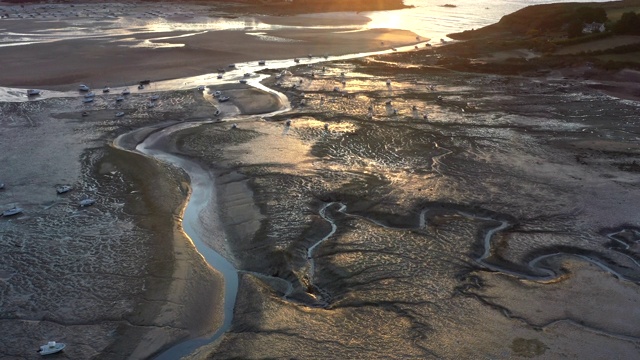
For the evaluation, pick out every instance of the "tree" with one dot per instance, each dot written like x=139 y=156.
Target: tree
x=629 y=23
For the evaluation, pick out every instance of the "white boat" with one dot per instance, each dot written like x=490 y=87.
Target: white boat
x=119 y=114
x=83 y=87
x=33 y=92
x=154 y=97
x=1 y=186
x=234 y=126
x=140 y=87
x=126 y=91
x=262 y=62
x=217 y=93
x=120 y=98
x=87 y=100
x=106 y=89
x=86 y=202
x=223 y=98
x=243 y=81
x=13 y=211
x=89 y=95
x=52 y=347
x=63 y=189
x=201 y=88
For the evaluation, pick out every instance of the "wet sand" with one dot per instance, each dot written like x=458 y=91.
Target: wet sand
x=116 y=58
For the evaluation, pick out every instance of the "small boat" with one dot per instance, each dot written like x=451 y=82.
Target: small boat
x=247 y=75
x=394 y=49
x=310 y=56
x=126 y=91
x=84 y=113
x=221 y=70
x=106 y=89
x=87 y=100
x=223 y=98
x=89 y=95
x=287 y=123
x=217 y=113
x=63 y=189
x=326 y=126
x=243 y=81
x=262 y=62
x=120 y=98
x=1 y=186
x=145 y=82
x=217 y=93
x=83 y=87
x=140 y=87
x=219 y=76
x=232 y=66
x=119 y=114
x=52 y=347
x=296 y=60
x=13 y=211
x=154 y=97
x=33 y=92
x=86 y=202
x=201 y=88
x=234 y=126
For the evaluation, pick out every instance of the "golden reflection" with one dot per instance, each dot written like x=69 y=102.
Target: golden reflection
x=386 y=20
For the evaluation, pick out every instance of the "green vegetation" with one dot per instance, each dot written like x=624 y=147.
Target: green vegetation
x=629 y=24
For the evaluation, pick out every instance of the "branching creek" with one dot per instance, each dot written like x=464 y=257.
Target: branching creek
x=538 y=267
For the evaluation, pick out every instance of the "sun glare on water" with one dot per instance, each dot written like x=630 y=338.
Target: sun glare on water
x=384 y=20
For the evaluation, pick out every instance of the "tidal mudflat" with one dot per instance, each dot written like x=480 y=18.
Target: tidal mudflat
x=397 y=210
x=442 y=215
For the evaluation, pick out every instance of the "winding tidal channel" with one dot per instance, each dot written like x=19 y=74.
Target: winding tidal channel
x=410 y=225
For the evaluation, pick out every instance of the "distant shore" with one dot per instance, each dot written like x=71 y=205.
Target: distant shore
x=109 y=60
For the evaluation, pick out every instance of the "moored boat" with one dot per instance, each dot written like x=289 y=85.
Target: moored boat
x=13 y=211
x=64 y=189
x=51 y=347
x=86 y=202
x=83 y=87
x=33 y=92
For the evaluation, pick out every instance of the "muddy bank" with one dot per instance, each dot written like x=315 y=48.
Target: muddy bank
x=505 y=178
x=119 y=274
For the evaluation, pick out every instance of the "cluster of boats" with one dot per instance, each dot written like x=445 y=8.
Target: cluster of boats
x=61 y=189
